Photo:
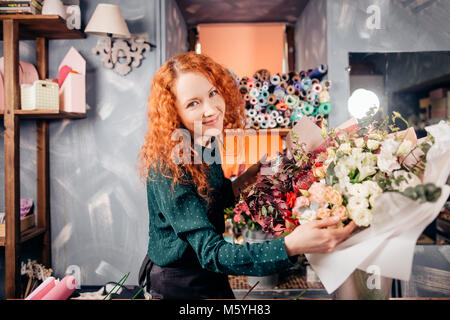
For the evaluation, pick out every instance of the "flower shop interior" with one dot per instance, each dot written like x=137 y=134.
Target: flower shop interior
x=71 y=200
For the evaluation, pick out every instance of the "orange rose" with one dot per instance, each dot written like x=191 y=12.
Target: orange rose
x=323 y=213
x=341 y=212
x=332 y=196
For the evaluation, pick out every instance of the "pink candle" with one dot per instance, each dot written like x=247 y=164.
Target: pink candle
x=42 y=289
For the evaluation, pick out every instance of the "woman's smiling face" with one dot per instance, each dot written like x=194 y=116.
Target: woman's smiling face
x=199 y=105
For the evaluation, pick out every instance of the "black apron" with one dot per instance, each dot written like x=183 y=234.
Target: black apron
x=183 y=279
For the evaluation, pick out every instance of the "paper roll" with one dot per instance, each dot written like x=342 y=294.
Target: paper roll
x=274 y=114
x=279 y=119
x=260 y=118
x=254 y=93
x=275 y=79
x=281 y=106
x=271 y=99
x=262 y=101
x=318 y=72
x=290 y=90
x=284 y=85
x=307 y=109
x=254 y=101
x=258 y=84
x=326 y=84
x=256 y=125
x=285 y=77
x=272 y=124
x=325 y=108
x=279 y=93
x=287 y=113
x=264 y=94
x=62 y=290
x=286 y=122
x=42 y=289
x=306 y=83
x=265 y=87
x=252 y=113
x=247 y=97
x=298 y=85
x=264 y=125
x=317 y=88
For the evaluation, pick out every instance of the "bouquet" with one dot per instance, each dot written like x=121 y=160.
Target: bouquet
x=388 y=182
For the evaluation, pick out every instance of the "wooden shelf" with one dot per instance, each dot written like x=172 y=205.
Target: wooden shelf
x=26 y=235
x=46 y=114
x=46 y=26
x=279 y=131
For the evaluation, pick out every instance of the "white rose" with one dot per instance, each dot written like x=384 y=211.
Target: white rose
x=362 y=217
x=359 y=142
x=372 y=187
x=307 y=216
x=389 y=146
x=404 y=148
x=373 y=144
x=356 y=203
x=345 y=147
x=372 y=200
x=358 y=190
x=387 y=163
x=341 y=170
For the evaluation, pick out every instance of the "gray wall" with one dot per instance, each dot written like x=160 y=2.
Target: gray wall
x=98 y=206
x=401 y=29
x=311 y=36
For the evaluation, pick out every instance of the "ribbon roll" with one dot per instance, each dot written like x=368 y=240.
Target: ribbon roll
x=254 y=93
x=254 y=101
x=297 y=93
x=306 y=83
x=285 y=77
x=315 y=81
x=247 y=97
x=250 y=84
x=264 y=94
x=279 y=119
x=279 y=93
x=265 y=87
x=302 y=74
x=270 y=108
x=290 y=90
x=263 y=111
x=298 y=85
x=307 y=109
x=325 y=108
x=317 y=88
x=291 y=100
x=271 y=99
x=281 y=106
x=311 y=97
x=286 y=122
x=272 y=124
x=266 y=118
x=258 y=84
x=257 y=107
x=318 y=72
x=326 y=84
x=264 y=125
x=284 y=85
x=287 y=113
x=252 y=113
x=256 y=125
x=260 y=89
x=266 y=83
x=260 y=118
x=275 y=79
x=274 y=114
x=319 y=117
x=296 y=78
x=316 y=103
x=262 y=101
x=303 y=94
x=315 y=112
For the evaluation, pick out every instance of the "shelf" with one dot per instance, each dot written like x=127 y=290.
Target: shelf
x=278 y=131
x=46 y=114
x=47 y=26
x=26 y=235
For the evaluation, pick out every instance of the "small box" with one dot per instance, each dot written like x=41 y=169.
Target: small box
x=41 y=95
x=25 y=224
x=438 y=93
x=424 y=103
x=72 y=93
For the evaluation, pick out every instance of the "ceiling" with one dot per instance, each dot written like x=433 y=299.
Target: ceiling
x=223 y=11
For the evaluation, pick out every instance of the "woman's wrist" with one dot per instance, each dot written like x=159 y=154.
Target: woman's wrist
x=289 y=245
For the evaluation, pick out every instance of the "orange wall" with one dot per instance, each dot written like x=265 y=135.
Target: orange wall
x=244 y=47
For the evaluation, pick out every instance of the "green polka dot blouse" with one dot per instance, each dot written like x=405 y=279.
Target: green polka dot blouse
x=183 y=218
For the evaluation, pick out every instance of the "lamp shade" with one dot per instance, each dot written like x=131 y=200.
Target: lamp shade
x=107 y=18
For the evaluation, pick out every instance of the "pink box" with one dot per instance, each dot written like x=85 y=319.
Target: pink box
x=438 y=93
x=72 y=94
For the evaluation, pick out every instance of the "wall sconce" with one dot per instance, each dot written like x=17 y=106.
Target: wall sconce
x=107 y=22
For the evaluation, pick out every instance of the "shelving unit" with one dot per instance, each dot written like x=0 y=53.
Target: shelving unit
x=40 y=28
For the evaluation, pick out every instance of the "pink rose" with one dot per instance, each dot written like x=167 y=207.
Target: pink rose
x=332 y=196
x=316 y=193
x=323 y=213
x=341 y=212
x=301 y=201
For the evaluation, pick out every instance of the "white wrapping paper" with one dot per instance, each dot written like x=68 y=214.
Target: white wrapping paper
x=398 y=222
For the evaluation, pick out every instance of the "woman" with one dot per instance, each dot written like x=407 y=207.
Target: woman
x=195 y=98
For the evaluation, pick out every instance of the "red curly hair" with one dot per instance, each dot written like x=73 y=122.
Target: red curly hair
x=163 y=118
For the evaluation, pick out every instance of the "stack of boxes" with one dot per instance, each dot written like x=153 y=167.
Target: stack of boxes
x=436 y=106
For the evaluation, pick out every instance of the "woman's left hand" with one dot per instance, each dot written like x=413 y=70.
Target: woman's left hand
x=248 y=177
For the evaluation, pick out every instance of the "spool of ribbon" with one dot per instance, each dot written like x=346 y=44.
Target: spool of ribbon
x=319 y=117
x=253 y=101
x=265 y=87
x=284 y=85
x=307 y=109
x=257 y=107
x=316 y=88
x=262 y=101
x=285 y=77
x=291 y=100
x=260 y=118
x=298 y=85
x=258 y=84
x=325 y=108
x=290 y=90
x=271 y=99
x=306 y=83
x=287 y=113
x=318 y=72
x=272 y=124
x=324 y=96
x=279 y=93
x=274 y=114
x=315 y=111
x=256 y=125
x=275 y=79
x=254 y=93
x=279 y=119
x=286 y=122
x=271 y=107
x=302 y=74
x=281 y=106
x=247 y=97
x=315 y=81
x=250 y=84
x=264 y=125
x=264 y=94
x=326 y=84
x=296 y=78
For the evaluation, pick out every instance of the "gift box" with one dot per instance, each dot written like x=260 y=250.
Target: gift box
x=438 y=108
x=72 y=80
x=41 y=95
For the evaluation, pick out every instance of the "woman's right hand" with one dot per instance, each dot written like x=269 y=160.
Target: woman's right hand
x=314 y=237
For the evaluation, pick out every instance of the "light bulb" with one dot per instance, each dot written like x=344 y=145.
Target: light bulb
x=361 y=101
